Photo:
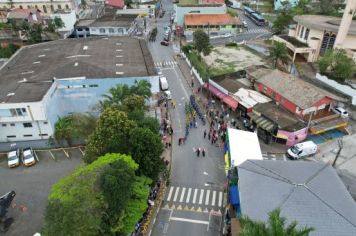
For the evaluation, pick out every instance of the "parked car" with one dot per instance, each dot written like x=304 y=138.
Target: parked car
x=165 y=43
x=168 y=95
x=13 y=158
x=301 y=150
x=341 y=111
x=244 y=23
x=28 y=157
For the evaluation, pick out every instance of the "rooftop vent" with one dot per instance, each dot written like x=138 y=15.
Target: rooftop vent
x=23 y=81
x=10 y=94
x=36 y=62
x=43 y=55
x=119 y=72
x=85 y=48
x=76 y=64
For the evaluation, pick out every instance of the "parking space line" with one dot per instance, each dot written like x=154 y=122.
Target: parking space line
x=81 y=151
x=51 y=155
x=66 y=153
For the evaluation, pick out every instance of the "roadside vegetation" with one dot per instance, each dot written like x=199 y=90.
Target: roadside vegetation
x=108 y=194
x=8 y=51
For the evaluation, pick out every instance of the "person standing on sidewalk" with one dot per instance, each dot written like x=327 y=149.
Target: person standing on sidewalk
x=204 y=134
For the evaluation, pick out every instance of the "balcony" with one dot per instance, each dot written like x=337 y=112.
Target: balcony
x=295 y=46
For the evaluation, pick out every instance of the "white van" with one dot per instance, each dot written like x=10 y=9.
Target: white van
x=302 y=150
x=163 y=83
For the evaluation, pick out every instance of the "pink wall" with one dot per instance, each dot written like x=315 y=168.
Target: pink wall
x=294 y=137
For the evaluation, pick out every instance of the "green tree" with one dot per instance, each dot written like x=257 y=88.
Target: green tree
x=115 y=96
x=150 y=123
x=63 y=129
x=79 y=203
x=302 y=7
x=35 y=33
x=55 y=24
x=337 y=65
x=111 y=135
x=133 y=102
x=146 y=149
x=201 y=42
x=276 y=226
x=282 y=21
x=278 y=51
x=8 y=51
x=128 y=3
x=142 y=88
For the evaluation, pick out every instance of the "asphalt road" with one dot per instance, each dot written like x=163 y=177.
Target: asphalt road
x=253 y=31
x=196 y=185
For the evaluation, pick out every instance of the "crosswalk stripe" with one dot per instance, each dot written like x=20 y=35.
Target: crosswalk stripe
x=182 y=195
x=213 y=199
x=220 y=199
x=176 y=194
x=188 y=195
x=195 y=195
x=201 y=196
x=170 y=193
x=207 y=197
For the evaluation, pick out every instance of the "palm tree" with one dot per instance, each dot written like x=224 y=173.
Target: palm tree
x=115 y=96
x=63 y=129
x=278 y=51
x=142 y=88
x=275 y=226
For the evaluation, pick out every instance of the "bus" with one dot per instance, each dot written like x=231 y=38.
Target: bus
x=248 y=11
x=258 y=19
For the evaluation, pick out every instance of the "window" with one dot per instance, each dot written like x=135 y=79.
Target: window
x=93 y=85
x=36 y=6
x=18 y=112
x=44 y=8
x=301 y=32
x=3 y=125
x=52 y=8
x=102 y=30
x=20 y=7
x=45 y=123
x=12 y=124
x=43 y=135
x=28 y=7
x=111 y=31
x=27 y=135
x=67 y=7
x=306 y=34
x=27 y=125
x=265 y=89
x=59 y=7
x=11 y=136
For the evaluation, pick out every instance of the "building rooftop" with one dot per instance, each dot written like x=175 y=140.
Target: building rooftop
x=296 y=90
x=212 y=19
x=29 y=73
x=108 y=20
x=18 y=13
x=323 y=23
x=285 y=120
x=309 y=192
x=115 y=3
x=200 y=2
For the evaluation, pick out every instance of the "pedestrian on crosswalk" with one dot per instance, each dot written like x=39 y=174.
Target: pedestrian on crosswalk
x=203 y=152
x=198 y=152
x=204 y=134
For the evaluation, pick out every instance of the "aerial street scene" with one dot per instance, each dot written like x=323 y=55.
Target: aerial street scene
x=177 y=117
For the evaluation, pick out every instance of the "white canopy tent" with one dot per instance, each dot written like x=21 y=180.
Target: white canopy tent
x=243 y=145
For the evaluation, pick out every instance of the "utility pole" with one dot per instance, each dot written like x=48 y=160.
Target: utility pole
x=341 y=145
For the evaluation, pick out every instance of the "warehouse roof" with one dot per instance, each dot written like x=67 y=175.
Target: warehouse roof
x=210 y=19
x=309 y=192
x=30 y=72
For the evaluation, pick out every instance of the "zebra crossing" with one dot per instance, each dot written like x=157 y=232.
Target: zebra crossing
x=161 y=64
x=194 y=199
x=255 y=31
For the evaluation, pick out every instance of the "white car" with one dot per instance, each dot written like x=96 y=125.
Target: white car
x=343 y=113
x=28 y=157
x=244 y=23
x=168 y=94
x=13 y=158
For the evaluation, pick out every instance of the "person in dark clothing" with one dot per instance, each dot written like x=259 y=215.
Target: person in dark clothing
x=198 y=152
x=203 y=152
x=204 y=134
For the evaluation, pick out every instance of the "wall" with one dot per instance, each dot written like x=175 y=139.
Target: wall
x=117 y=31
x=278 y=3
x=43 y=5
x=182 y=10
x=350 y=42
x=294 y=137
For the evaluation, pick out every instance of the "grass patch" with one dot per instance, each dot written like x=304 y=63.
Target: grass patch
x=188 y=2
x=232 y=12
x=232 y=45
x=270 y=18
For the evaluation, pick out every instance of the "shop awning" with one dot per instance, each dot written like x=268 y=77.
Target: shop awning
x=231 y=102
x=215 y=91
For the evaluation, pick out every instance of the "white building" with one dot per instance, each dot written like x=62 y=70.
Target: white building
x=42 y=82
x=46 y=6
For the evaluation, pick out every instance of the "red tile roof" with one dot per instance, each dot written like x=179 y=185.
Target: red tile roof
x=212 y=19
x=212 y=1
x=115 y=3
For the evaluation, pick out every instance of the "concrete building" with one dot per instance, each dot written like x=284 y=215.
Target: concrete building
x=46 y=6
x=42 y=82
x=310 y=193
x=212 y=24
x=314 y=34
x=278 y=4
x=197 y=6
x=29 y=15
x=107 y=25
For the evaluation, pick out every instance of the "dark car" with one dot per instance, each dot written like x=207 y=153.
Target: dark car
x=165 y=43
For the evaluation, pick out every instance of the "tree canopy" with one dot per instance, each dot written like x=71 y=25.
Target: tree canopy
x=201 y=42
x=337 y=65
x=275 y=226
x=102 y=198
x=278 y=51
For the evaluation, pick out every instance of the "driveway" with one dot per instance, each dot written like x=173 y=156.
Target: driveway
x=32 y=186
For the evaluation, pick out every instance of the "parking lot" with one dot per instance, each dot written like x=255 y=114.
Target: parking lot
x=33 y=184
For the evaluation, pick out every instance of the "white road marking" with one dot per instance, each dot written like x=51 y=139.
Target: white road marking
x=190 y=220
x=170 y=193
x=182 y=195
x=214 y=198
x=207 y=197
x=188 y=195
x=195 y=195
x=176 y=194
x=205 y=173
x=201 y=196
x=220 y=199
x=181 y=83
